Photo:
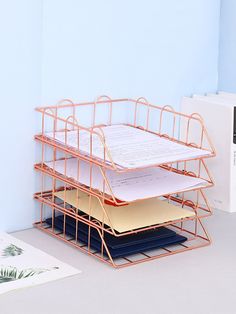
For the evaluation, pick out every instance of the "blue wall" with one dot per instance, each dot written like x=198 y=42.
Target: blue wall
x=160 y=49
x=20 y=89
x=227 y=52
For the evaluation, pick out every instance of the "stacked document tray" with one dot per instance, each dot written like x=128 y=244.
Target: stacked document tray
x=120 y=184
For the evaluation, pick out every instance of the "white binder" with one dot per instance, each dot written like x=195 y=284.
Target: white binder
x=219 y=114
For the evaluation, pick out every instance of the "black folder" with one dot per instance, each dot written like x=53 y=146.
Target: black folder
x=118 y=246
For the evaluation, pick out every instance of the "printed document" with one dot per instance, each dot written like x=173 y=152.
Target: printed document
x=128 y=186
x=129 y=147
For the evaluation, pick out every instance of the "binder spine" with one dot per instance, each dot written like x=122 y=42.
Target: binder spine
x=234 y=128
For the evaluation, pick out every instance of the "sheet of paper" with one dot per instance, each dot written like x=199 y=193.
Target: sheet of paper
x=125 y=218
x=22 y=265
x=128 y=186
x=129 y=147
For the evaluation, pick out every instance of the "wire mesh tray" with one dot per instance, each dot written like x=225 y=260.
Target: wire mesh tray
x=190 y=234
x=130 y=139
x=147 y=135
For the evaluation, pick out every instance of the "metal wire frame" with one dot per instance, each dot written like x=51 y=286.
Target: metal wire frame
x=71 y=123
x=202 y=209
x=195 y=234
x=110 y=199
x=46 y=198
x=179 y=167
x=107 y=192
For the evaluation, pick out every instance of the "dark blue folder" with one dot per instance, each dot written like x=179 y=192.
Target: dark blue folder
x=118 y=242
x=119 y=246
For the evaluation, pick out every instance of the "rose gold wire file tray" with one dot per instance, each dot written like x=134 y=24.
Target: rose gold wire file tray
x=64 y=117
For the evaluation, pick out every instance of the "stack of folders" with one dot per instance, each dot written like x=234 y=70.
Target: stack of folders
x=140 y=190
x=118 y=246
x=134 y=216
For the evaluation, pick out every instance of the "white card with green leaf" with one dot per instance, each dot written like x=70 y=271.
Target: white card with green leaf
x=22 y=265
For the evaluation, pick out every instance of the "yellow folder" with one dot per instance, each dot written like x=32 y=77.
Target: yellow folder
x=129 y=217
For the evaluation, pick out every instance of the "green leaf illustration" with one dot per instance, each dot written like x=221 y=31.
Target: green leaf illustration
x=12 y=250
x=9 y=273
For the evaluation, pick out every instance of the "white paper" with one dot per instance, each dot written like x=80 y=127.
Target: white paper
x=129 y=147
x=22 y=265
x=129 y=186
